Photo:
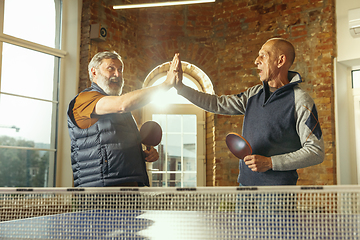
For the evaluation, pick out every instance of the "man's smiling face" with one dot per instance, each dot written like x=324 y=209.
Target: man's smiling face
x=110 y=76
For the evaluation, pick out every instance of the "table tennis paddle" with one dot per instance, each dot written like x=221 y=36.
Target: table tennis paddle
x=151 y=134
x=238 y=145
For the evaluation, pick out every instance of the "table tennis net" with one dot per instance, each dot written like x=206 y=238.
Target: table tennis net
x=314 y=212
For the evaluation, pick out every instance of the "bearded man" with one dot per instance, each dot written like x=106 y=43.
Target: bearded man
x=106 y=146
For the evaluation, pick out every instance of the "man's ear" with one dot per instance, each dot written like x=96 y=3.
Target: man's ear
x=281 y=60
x=94 y=73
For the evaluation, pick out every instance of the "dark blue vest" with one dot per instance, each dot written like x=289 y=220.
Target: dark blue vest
x=109 y=152
x=270 y=128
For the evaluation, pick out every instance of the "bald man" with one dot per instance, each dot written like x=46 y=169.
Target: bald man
x=281 y=121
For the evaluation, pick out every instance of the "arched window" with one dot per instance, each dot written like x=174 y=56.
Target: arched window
x=182 y=149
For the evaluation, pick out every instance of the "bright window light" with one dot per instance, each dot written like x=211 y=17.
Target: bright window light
x=355 y=77
x=164 y=99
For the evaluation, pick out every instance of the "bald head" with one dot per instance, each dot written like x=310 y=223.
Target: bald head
x=283 y=46
x=274 y=61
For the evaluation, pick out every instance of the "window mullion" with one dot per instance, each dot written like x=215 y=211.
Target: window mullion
x=22 y=96
x=182 y=151
x=29 y=148
x=31 y=45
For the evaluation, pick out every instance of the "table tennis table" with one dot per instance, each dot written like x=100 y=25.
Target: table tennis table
x=154 y=224
x=181 y=213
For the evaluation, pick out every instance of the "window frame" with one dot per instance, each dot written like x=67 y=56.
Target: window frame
x=353 y=83
x=183 y=109
x=356 y=116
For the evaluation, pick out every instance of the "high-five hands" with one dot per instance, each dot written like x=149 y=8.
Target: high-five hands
x=173 y=72
x=178 y=71
x=179 y=75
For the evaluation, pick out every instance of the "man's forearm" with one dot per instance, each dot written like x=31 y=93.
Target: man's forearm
x=227 y=105
x=128 y=101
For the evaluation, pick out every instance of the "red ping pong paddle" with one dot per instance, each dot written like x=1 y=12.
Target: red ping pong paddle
x=238 y=145
x=151 y=134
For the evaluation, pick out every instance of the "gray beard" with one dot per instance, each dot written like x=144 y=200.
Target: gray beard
x=103 y=82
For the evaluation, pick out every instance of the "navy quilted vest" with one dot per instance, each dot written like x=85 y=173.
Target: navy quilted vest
x=109 y=152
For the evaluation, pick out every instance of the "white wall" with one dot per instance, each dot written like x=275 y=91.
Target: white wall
x=68 y=86
x=348 y=56
x=348 y=47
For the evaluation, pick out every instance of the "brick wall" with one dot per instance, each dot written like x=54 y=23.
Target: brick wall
x=223 y=39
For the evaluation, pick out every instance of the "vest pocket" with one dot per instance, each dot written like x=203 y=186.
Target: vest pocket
x=105 y=161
